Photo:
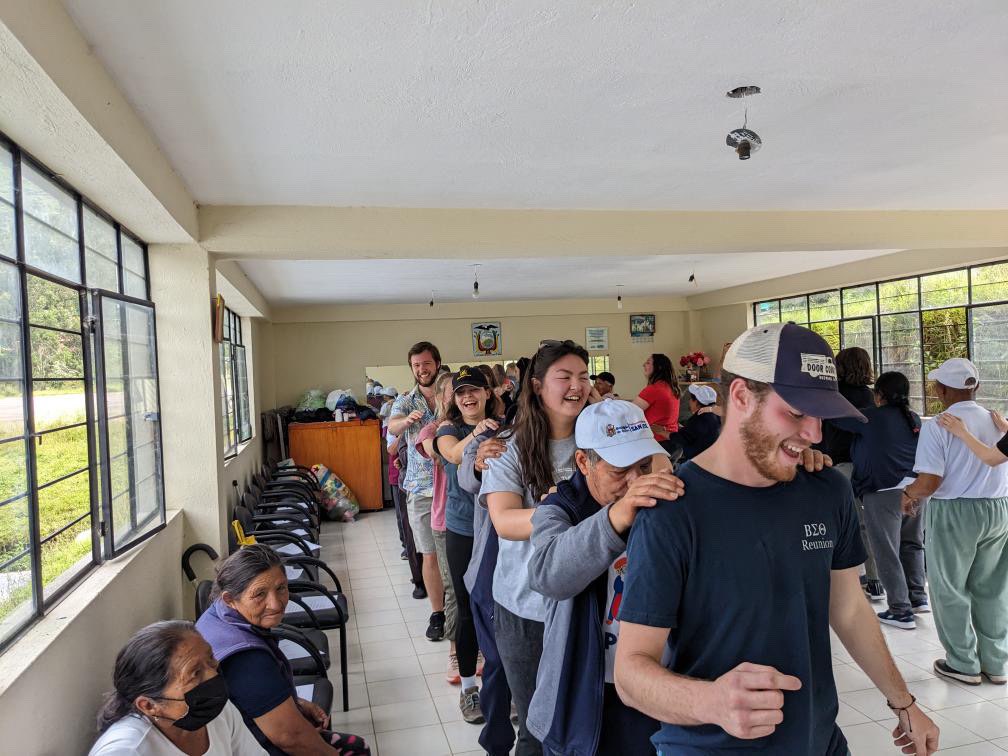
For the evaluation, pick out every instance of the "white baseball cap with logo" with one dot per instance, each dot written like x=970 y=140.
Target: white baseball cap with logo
x=956 y=373
x=797 y=363
x=617 y=431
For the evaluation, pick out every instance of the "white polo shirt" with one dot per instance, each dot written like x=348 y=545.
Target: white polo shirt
x=964 y=475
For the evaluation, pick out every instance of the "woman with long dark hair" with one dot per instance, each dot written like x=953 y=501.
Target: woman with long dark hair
x=168 y=698
x=660 y=398
x=883 y=452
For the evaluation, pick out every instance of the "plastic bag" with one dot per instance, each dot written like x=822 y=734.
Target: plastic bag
x=333 y=399
x=337 y=498
x=312 y=399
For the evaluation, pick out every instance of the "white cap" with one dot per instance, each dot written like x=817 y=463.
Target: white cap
x=617 y=432
x=957 y=373
x=389 y=391
x=703 y=394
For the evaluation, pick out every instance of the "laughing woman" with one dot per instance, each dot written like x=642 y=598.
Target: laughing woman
x=660 y=398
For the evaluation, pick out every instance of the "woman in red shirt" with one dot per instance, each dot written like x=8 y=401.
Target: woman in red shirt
x=660 y=398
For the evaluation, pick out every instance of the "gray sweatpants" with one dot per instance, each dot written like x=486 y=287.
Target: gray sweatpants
x=870 y=569
x=897 y=540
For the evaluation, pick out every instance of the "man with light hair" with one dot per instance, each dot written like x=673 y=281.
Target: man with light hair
x=742 y=577
x=966 y=522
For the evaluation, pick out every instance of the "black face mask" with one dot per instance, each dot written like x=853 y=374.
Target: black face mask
x=206 y=701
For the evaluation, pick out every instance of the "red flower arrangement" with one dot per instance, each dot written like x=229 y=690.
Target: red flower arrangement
x=694 y=359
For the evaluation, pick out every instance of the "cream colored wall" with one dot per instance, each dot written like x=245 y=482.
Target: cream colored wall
x=720 y=325
x=68 y=658
x=182 y=283
x=335 y=354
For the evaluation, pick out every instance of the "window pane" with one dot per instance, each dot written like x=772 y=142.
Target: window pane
x=50 y=225
x=10 y=292
x=990 y=283
x=61 y=452
x=944 y=337
x=860 y=333
x=990 y=353
x=899 y=336
x=944 y=289
x=58 y=404
x=824 y=306
x=65 y=555
x=134 y=275
x=17 y=605
x=62 y=503
x=52 y=304
x=10 y=351
x=101 y=257
x=829 y=330
x=134 y=438
x=794 y=310
x=13 y=471
x=898 y=296
x=8 y=244
x=244 y=421
x=14 y=534
x=767 y=312
x=56 y=354
x=859 y=301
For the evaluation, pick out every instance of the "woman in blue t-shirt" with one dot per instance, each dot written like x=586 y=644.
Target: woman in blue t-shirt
x=883 y=452
x=471 y=413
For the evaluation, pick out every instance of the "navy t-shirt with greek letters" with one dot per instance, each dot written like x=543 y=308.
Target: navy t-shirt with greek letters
x=742 y=574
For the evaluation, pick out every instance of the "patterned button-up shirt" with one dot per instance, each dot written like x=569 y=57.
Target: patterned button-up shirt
x=419 y=478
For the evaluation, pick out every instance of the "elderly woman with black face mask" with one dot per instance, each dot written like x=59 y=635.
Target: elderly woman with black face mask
x=169 y=699
x=250 y=597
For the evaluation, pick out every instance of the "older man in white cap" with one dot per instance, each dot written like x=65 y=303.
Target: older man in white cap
x=578 y=562
x=701 y=429
x=967 y=532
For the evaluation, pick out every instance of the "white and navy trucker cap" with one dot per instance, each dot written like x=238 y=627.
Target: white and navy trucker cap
x=797 y=363
x=617 y=431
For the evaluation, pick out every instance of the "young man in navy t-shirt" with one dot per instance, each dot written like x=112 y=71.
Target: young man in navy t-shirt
x=743 y=576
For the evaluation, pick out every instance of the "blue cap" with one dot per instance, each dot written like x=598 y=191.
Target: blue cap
x=797 y=363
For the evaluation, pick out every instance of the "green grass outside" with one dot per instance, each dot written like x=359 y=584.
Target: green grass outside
x=59 y=454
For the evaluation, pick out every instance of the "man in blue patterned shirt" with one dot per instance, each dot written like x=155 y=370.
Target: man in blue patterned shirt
x=410 y=413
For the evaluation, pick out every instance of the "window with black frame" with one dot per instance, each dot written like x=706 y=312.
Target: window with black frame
x=913 y=324
x=73 y=301
x=236 y=422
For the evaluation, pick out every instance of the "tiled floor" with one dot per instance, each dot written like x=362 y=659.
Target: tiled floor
x=402 y=705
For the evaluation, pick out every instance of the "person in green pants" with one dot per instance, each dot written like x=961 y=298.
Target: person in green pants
x=966 y=532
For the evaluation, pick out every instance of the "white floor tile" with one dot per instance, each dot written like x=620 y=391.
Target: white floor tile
x=389 y=669
x=404 y=715
x=462 y=736
x=938 y=694
x=415 y=741
x=986 y=719
x=396 y=690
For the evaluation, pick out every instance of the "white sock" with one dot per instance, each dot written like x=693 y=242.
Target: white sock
x=468 y=682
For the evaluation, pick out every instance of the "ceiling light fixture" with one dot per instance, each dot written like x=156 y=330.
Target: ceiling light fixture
x=744 y=141
x=431 y=298
x=692 y=278
x=619 y=296
x=476 y=281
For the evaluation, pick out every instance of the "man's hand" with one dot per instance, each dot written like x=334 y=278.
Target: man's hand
x=909 y=504
x=814 y=460
x=314 y=714
x=413 y=418
x=489 y=449
x=645 y=491
x=999 y=422
x=747 y=702
x=915 y=733
x=712 y=409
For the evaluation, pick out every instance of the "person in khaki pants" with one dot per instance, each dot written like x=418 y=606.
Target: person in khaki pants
x=967 y=532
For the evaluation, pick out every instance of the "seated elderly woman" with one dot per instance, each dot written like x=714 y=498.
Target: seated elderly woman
x=250 y=596
x=169 y=699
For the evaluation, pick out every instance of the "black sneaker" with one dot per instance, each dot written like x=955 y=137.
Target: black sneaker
x=435 y=630
x=874 y=590
x=419 y=592
x=942 y=668
x=905 y=621
x=402 y=555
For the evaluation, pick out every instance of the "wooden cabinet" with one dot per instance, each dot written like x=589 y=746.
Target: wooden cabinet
x=352 y=450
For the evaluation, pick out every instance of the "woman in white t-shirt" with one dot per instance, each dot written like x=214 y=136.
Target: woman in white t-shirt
x=168 y=699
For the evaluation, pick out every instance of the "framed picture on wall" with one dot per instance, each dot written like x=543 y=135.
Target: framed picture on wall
x=642 y=324
x=597 y=338
x=486 y=339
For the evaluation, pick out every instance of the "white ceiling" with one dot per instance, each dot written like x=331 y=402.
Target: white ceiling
x=516 y=103
x=297 y=282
